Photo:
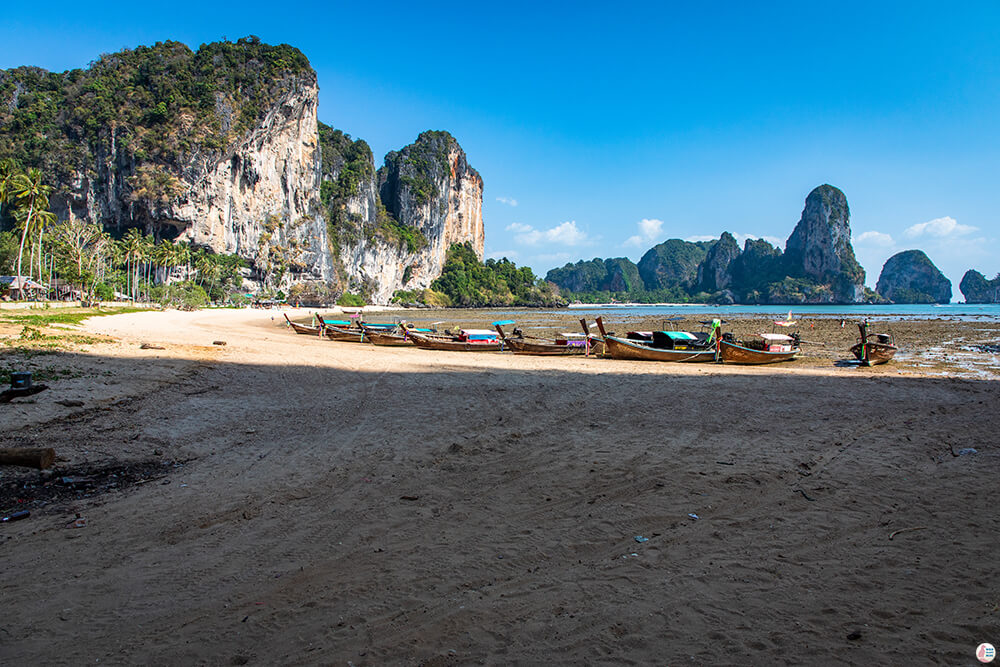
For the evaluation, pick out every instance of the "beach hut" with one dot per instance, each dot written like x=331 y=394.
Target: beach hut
x=21 y=287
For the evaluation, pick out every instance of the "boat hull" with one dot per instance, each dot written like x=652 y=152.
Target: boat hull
x=538 y=347
x=873 y=354
x=305 y=329
x=734 y=353
x=451 y=345
x=344 y=335
x=621 y=348
x=388 y=340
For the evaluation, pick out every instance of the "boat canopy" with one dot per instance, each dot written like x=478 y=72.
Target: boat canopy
x=776 y=337
x=679 y=335
x=480 y=332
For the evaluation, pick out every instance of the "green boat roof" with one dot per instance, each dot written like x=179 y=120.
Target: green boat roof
x=680 y=335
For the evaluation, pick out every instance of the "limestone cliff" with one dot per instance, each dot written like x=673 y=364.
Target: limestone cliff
x=713 y=272
x=217 y=147
x=820 y=250
x=391 y=230
x=911 y=277
x=977 y=289
x=430 y=187
x=672 y=264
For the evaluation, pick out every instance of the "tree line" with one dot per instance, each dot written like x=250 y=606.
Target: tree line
x=81 y=254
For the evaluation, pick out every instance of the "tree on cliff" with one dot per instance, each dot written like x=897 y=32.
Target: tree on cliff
x=468 y=282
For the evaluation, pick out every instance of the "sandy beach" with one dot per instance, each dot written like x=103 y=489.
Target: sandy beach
x=283 y=499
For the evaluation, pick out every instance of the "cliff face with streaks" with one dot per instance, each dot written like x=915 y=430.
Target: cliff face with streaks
x=221 y=147
x=392 y=228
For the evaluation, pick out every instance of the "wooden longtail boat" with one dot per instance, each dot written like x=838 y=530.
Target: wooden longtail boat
x=304 y=329
x=388 y=339
x=340 y=330
x=873 y=348
x=352 y=332
x=467 y=340
x=399 y=336
x=680 y=346
x=769 y=349
x=563 y=345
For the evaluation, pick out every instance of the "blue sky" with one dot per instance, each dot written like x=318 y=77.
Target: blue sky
x=601 y=130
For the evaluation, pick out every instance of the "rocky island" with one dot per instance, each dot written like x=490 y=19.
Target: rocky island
x=817 y=266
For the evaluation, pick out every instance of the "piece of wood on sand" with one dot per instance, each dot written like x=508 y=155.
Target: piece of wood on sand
x=30 y=457
x=9 y=395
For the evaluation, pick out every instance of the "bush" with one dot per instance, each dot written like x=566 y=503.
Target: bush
x=183 y=295
x=350 y=300
x=103 y=292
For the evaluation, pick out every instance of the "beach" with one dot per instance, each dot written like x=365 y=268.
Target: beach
x=283 y=499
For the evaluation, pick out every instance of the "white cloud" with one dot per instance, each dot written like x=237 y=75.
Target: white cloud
x=518 y=227
x=649 y=231
x=875 y=239
x=565 y=234
x=512 y=255
x=510 y=201
x=938 y=228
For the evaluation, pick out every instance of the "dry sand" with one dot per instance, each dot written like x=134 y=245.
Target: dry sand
x=289 y=500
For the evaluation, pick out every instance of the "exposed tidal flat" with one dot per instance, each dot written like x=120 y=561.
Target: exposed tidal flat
x=284 y=499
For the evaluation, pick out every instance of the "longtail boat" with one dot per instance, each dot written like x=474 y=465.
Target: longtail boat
x=563 y=344
x=466 y=340
x=770 y=348
x=681 y=346
x=304 y=329
x=343 y=330
x=396 y=337
x=873 y=348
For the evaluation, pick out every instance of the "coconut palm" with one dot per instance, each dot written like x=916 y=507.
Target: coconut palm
x=30 y=196
x=183 y=256
x=163 y=256
x=131 y=247
x=43 y=219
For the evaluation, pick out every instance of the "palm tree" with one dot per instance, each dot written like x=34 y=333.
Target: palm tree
x=148 y=250
x=183 y=256
x=43 y=219
x=131 y=245
x=31 y=196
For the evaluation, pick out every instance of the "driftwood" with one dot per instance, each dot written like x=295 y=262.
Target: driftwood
x=30 y=457
x=150 y=346
x=9 y=395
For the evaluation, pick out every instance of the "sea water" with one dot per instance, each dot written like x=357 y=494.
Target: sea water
x=949 y=311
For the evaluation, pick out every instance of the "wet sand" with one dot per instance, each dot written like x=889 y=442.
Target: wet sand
x=288 y=500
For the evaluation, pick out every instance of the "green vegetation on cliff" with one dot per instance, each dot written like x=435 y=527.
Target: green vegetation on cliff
x=347 y=164
x=470 y=283
x=977 y=289
x=160 y=102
